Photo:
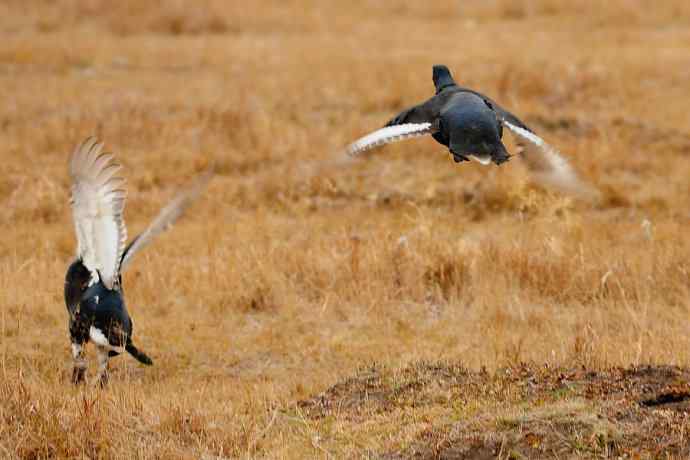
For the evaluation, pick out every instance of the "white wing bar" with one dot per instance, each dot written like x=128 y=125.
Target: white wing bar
x=388 y=135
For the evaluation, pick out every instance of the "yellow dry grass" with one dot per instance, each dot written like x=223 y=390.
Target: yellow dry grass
x=293 y=272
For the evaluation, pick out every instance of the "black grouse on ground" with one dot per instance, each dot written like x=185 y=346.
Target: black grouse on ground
x=471 y=126
x=93 y=285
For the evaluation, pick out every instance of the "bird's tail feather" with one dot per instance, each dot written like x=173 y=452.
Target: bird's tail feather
x=138 y=354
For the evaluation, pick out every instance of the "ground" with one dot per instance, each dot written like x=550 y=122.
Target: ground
x=399 y=306
x=525 y=411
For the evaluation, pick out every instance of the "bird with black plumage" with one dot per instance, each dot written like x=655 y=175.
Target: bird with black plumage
x=93 y=284
x=471 y=125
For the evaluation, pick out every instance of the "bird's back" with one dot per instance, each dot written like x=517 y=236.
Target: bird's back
x=106 y=309
x=472 y=108
x=469 y=113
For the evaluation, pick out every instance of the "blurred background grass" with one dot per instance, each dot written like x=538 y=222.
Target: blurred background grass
x=293 y=272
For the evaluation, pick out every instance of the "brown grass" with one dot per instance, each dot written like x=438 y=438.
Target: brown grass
x=294 y=273
x=523 y=411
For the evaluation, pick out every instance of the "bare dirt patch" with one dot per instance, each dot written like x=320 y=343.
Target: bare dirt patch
x=526 y=411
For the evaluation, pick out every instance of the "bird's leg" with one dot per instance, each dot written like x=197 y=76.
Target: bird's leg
x=498 y=160
x=79 y=368
x=102 y=354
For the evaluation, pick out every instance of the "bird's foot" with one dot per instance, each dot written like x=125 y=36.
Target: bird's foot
x=103 y=379
x=459 y=158
x=78 y=374
x=102 y=354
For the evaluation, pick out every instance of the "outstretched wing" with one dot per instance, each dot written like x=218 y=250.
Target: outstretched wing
x=547 y=165
x=98 y=201
x=167 y=216
x=419 y=120
x=427 y=112
x=389 y=134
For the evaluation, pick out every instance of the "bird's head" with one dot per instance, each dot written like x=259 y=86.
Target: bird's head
x=442 y=77
x=77 y=281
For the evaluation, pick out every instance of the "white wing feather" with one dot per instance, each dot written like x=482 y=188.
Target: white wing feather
x=167 y=216
x=547 y=165
x=98 y=201
x=387 y=135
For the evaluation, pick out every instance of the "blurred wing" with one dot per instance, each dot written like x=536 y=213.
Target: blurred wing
x=546 y=164
x=167 y=216
x=387 y=135
x=98 y=201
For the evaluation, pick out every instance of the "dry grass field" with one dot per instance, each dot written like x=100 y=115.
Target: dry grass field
x=399 y=306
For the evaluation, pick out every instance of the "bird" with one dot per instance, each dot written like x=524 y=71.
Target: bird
x=93 y=290
x=471 y=125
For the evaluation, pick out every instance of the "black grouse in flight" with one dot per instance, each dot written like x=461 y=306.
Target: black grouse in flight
x=471 y=126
